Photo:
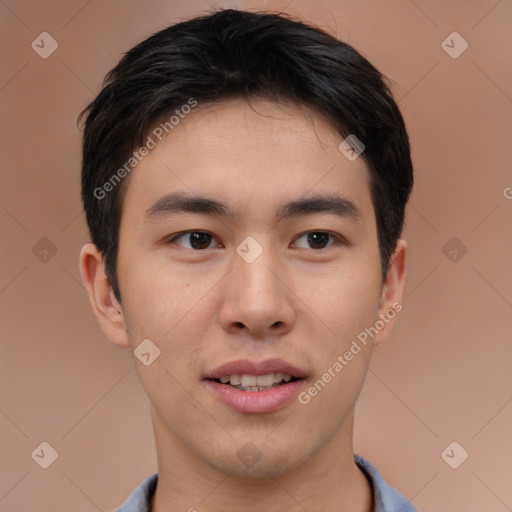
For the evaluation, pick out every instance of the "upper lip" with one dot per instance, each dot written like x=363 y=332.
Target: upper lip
x=249 y=367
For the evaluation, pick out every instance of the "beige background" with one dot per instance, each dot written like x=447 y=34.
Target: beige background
x=445 y=375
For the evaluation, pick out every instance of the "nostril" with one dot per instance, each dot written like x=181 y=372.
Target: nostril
x=277 y=324
x=239 y=324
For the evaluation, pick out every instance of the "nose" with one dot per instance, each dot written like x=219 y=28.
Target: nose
x=257 y=300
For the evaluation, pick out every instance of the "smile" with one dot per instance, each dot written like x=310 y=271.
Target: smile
x=255 y=382
x=253 y=387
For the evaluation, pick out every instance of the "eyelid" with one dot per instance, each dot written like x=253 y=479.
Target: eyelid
x=338 y=238
x=173 y=238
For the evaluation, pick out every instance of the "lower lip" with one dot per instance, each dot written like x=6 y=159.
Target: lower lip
x=256 y=402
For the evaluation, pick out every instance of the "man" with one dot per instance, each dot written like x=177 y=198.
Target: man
x=244 y=179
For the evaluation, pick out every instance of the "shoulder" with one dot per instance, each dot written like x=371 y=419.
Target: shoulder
x=140 y=498
x=386 y=498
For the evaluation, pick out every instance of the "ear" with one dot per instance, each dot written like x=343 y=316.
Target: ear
x=390 y=303
x=107 y=309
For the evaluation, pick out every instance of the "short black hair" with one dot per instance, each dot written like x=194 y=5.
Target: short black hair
x=237 y=54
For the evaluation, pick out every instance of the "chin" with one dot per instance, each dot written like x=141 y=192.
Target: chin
x=267 y=462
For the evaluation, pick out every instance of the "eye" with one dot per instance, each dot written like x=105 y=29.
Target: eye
x=196 y=240
x=315 y=240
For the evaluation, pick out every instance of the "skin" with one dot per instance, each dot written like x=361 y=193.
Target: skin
x=204 y=307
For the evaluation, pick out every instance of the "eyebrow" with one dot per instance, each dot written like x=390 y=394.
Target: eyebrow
x=178 y=202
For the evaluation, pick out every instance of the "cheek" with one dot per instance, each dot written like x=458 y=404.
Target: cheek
x=347 y=305
x=175 y=323
x=161 y=297
x=346 y=301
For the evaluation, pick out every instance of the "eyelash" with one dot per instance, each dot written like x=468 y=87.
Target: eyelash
x=338 y=238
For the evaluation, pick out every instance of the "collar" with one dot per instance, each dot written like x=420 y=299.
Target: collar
x=386 y=498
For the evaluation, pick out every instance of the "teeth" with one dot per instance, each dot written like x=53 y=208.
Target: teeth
x=248 y=380
x=265 y=380
x=234 y=380
x=256 y=381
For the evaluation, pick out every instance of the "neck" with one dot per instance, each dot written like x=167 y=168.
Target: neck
x=329 y=481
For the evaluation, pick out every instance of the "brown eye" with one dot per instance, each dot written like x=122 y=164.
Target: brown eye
x=197 y=240
x=314 y=240
x=318 y=240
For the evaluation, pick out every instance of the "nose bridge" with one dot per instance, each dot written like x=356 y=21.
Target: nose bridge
x=257 y=283
x=256 y=297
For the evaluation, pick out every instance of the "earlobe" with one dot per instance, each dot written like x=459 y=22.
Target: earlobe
x=391 y=296
x=107 y=309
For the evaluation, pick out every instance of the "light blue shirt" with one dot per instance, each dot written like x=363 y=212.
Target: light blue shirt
x=386 y=498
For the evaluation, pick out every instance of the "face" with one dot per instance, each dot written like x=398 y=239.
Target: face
x=248 y=255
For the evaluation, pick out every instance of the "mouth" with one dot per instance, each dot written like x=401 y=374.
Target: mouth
x=246 y=382
x=247 y=386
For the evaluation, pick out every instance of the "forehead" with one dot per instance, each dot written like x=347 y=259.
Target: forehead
x=249 y=157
